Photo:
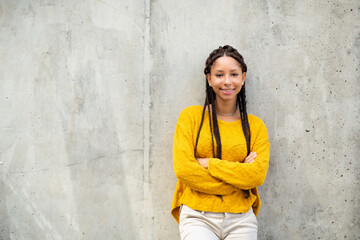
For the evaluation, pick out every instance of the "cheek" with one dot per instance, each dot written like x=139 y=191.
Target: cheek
x=239 y=88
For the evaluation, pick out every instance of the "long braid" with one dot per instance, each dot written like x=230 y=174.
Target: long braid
x=241 y=102
x=216 y=126
x=210 y=122
x=206 y=105
x=244 y=122
x=244 y=118
x=201 y=123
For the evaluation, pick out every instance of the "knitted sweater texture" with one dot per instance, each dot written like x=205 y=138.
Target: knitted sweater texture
x=198 y=187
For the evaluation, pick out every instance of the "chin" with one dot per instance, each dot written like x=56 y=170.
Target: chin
x=228 y=98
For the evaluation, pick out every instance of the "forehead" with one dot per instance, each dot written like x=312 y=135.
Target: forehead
x=225 y=63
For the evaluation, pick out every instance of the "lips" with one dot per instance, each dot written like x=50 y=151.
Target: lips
x=227 y=91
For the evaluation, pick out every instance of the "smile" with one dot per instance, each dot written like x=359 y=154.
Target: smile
x=227 y=91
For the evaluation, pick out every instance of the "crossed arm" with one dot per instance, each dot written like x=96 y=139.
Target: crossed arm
x=188 y=170
x=215 y=176
x=204 y=162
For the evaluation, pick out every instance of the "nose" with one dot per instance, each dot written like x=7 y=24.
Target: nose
x=227 y=79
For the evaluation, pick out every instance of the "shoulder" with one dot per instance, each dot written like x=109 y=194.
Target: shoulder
x=190 y=114
x=255 y=119
x=256 y=123
x=191 y=111
x=259 y=133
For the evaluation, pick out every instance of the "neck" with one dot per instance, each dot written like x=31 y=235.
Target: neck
x=225 y=107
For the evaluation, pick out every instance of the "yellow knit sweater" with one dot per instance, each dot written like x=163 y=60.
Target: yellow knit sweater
x=197 y=187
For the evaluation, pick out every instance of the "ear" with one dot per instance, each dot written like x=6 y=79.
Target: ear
x=243 y=77
x=208 y=79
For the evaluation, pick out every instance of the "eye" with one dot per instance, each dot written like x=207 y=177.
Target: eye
x=218 y=75
x=235 y=74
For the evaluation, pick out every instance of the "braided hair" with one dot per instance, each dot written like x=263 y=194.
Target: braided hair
x=210 y=102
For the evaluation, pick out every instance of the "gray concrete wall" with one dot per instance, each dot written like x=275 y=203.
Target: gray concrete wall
x=90 y=92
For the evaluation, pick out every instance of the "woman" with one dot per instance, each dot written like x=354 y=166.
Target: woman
x=216 y=195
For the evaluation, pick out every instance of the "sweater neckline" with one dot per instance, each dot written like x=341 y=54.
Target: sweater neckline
x=225 y=122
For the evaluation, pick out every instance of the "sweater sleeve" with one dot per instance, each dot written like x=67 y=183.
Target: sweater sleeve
x=245 y=175
x=187 y=168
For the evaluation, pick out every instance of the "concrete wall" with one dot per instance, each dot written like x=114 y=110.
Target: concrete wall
x=90 y=92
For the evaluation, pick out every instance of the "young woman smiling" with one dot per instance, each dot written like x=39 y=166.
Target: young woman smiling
x=216 y=195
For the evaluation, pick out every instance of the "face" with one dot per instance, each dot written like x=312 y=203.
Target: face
x=226 y=78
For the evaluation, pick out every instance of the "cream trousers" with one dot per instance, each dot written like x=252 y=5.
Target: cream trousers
x=201 y=225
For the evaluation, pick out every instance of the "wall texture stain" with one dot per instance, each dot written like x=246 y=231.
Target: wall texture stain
x=90 y=93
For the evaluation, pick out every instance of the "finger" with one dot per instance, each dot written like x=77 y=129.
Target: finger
x=250 y=159
x=252 y=156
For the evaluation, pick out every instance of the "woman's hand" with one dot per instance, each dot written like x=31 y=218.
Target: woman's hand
x=250 y=158
x=204 y=162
